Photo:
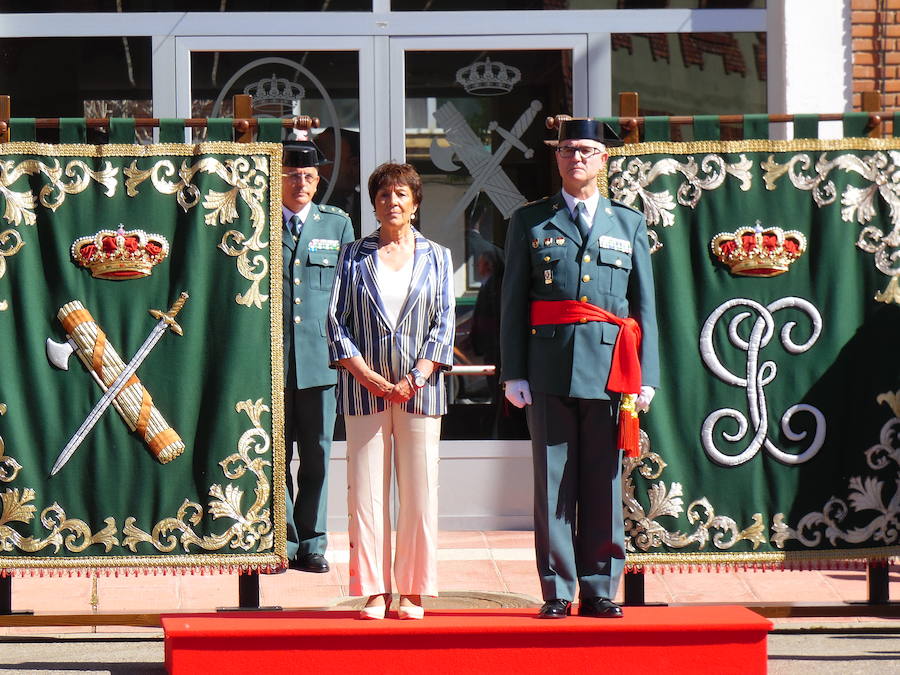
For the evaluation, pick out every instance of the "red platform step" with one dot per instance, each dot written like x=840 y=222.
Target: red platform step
x=667 y=640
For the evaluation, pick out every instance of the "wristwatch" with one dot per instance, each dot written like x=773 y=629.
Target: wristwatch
x=418 y=379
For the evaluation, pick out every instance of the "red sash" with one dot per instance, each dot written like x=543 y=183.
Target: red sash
x=625 y=369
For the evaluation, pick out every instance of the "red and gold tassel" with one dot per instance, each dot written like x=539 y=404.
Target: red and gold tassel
x=629 y=428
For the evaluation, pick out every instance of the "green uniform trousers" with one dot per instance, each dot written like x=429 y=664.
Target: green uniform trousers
x=578 y=525
x=309 y=422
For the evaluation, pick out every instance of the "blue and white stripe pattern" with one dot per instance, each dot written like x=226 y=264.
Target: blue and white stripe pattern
x=358 y=325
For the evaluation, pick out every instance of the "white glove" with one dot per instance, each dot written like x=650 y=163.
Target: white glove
x=518 y=393
x=642 y=404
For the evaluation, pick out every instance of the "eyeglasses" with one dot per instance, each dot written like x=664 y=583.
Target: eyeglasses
x=300 y=177
x=586 y=151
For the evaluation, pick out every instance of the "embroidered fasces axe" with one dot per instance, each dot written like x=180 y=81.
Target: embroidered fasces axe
x=122 y=388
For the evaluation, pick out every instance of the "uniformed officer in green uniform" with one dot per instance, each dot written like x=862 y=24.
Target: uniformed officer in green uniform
x=578 y=268
x=311 y=238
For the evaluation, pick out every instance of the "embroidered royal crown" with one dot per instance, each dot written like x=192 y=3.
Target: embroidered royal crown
x=758 y=251
x=488 y=78
x=120 y=255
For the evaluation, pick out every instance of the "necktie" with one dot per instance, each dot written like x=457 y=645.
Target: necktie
x=581 y=219
x=295 y=225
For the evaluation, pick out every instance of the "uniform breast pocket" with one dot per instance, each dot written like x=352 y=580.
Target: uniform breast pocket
x=616 y=266
x=548 y=271
x=321 y=265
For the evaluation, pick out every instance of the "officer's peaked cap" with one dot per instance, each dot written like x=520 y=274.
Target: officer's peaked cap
x=585 y=127
x=301 y=154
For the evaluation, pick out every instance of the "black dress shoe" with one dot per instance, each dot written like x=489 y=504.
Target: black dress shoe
x=310 y=562
x=555 y=609
x=602 y=608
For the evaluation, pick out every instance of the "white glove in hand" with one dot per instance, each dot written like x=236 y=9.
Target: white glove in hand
x=518 y=393
x=642 y=404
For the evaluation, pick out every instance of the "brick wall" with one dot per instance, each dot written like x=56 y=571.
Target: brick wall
x=875 y=32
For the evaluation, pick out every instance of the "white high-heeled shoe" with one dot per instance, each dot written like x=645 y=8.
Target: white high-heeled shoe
x=410 y=611
x=375 y=611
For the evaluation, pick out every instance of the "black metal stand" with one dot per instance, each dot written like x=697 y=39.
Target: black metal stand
x=6 y=598
x=248 y=591
x=878 y=578
x=5 y=595
x=879 y=582
x=248 y=596
x=634 y=589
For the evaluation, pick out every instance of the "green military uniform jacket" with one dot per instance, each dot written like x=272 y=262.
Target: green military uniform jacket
x=309 y=265
x=546 y=260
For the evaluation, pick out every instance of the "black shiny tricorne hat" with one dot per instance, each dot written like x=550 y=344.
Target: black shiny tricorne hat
x=585 y=127
x=301 y=154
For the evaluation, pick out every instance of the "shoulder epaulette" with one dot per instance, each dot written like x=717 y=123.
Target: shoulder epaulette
x=536 y=201
x=328 y=208
x=616 y=202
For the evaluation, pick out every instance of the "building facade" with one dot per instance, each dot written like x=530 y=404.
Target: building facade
x=460 y=89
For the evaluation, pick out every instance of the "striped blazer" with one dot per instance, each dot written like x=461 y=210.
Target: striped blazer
x=358 y=325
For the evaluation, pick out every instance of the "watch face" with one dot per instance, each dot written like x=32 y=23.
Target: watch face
x=420 y=381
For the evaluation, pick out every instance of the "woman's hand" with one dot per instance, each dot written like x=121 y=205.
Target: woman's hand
x=376 y=384
x=372 y=381
x=401 y=392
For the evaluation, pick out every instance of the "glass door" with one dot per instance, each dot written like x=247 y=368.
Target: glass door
x=288 y=77
x=470 y=114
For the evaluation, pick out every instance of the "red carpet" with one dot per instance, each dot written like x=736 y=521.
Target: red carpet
x=666 y=639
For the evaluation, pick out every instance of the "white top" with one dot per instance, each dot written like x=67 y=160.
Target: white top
x=590 y=205
x=394 y=287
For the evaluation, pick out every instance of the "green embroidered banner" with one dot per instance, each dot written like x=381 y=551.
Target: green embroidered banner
x=178 y=470
x=775 y=436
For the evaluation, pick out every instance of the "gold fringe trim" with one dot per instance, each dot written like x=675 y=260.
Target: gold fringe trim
x=161 y=570
x=279 y=468
x=787 y=560
x=273 y=150
x=804 y=566
x=754 y=145
x=263 y=563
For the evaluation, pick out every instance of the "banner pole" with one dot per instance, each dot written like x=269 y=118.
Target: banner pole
x=240 y=124
x=4 y=117
x=6 y=580
x=877 y=576
x=243 y=108
x=629 y=107
x=629 y=110
x=248 y=584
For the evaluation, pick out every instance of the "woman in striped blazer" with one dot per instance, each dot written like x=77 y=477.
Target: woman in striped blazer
x=390 y=332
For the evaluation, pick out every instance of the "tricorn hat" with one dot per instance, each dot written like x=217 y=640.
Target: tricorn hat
x=300 y=154
x=585 y=127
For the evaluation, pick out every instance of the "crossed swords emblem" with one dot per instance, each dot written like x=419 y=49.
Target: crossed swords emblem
x=487 y=174
x=85 y=339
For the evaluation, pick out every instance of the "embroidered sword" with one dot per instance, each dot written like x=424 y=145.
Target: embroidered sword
x=166 y=322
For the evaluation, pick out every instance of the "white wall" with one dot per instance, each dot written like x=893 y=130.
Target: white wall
x=484 y=485
x=809 y=59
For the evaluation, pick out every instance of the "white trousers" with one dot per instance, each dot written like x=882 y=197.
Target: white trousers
x=414 y=441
